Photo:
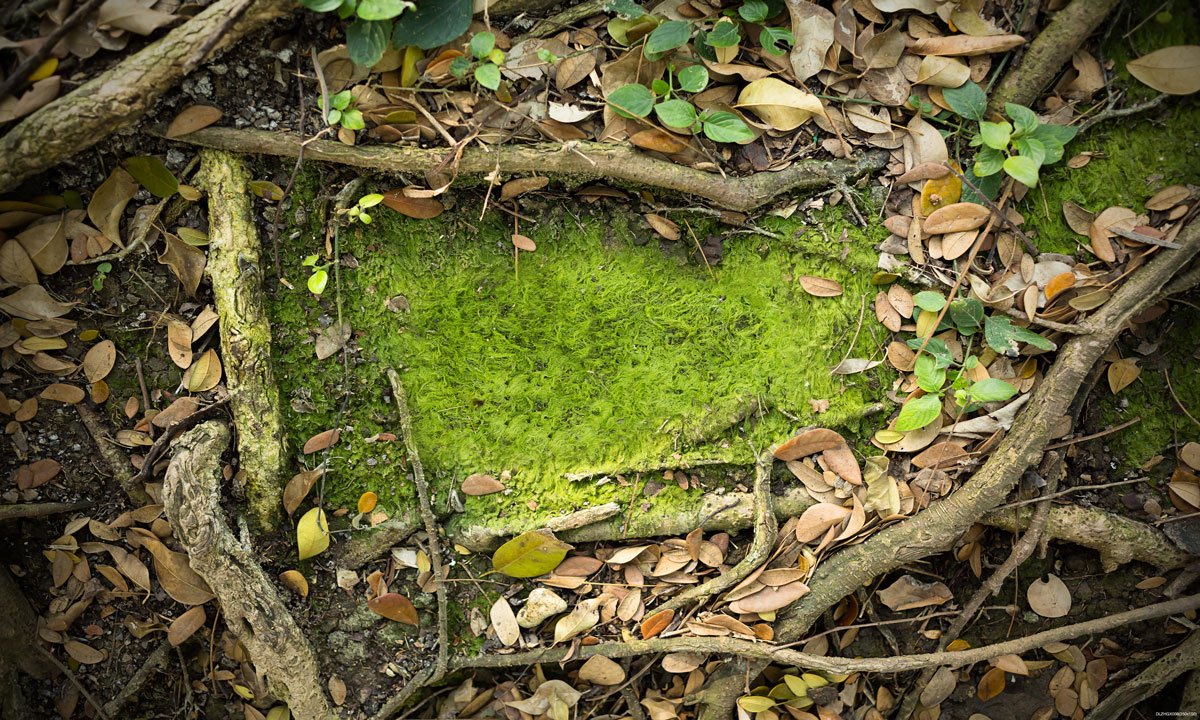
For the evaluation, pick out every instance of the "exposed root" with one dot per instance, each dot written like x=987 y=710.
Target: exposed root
x=1150 y=681
x=118 y=98
x=33 y=510
x=1049 y=51
x=252 y=608
x=576 y=160
x=118 y=464
x=18 y=646
x=235 y=267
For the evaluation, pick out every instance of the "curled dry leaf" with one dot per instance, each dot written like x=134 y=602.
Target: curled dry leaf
x=664 y=227
x=582 y=618
x=808 y=442
x=186 y=625
x=321 y=441
x=179 y=343
x=907 y=593
x=394 y=607
x=295 y=581
x=1049 y=597
x=504 y=622
x=819 y=286
x=965 y=45
x=204 y=373
x=778 y=104
x=656 y=623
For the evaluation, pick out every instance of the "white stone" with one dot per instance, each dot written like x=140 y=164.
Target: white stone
x=541 y=606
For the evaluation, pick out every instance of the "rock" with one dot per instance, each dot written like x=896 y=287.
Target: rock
x=541 y=606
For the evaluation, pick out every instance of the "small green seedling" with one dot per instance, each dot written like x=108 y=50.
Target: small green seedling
x=102 y=271
x=664 y=99
x=319 y=277
x=485 y=59
x=359 y=210
x=341 y=112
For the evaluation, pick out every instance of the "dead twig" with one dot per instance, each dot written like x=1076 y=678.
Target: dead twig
x=96 y=704
x=31 y=63
x=131 y=687
x=1151 y=681
x=997 y=211
x=33 y=510
x=118 y=464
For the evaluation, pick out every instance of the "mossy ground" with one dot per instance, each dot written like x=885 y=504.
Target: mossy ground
x=609 y=351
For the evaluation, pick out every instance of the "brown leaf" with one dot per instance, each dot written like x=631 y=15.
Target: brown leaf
x=942 y=455
x=886 y=314
x=1049 y=597
x=520 y=186
x=131 y=15
x=817 y=519
x=394 y=607
x=15 y=266
x=298 y=488
x=185 y=261
x=193 y=118
x=182 y=407
x=337 y=690
x=965 y=45
x=664 y=227
x=958 y=217
x=109 y=201
x=1122 y=373
x=179 y=343
x=599 y=670
x=84 y=654
x=176 y=575
x=504 y=622
x=770 y=599
x=991 y=684
x=32 y=302
x=659 y=141
x=204 y=374
x=295 y=581
x=1168 y=198
x=656 y=623
x=808 y=442
x=907 y=593
x=479 y=484
x=571 y=70
x=63 y=393
x=420 y=208
x=46 y=243
x=819 y=286
x=99 y=360
x=321 y=441
x=523 y=243
x=186 y=625
x=1172 y=70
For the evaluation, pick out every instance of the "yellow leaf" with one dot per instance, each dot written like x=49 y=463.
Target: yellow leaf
x=312 y=534
x=1122 y=373
x=940 y=192
x=778 y=104
x=43 y=71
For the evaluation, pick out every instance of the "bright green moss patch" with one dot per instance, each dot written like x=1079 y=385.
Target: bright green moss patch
x=609 y=352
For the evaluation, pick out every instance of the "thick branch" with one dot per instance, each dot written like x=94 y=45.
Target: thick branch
x=252 y=608
x=1151 y=681
x=1049 y=51
x=118 y=98
x=578 y=161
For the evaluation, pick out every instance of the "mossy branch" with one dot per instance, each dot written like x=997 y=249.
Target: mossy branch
x=576 y=161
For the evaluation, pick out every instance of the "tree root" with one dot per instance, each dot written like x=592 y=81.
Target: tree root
x=118 y=464
x=118 y=98
x=1150 y=681
x=33 y=510
x=577 y=160
x=253 y=610
x=235 y=268
x=766 y=530
x=1049 y=51
x=934 y=530
x=18 y=649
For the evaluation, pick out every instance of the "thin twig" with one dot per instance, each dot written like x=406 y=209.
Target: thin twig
x=211 y=42
x=99 y=707
x=1093 y=436
x=1167 y=377
x=1069 y=328
x=12 y=82
x=131 y=687
x=1111 y=113
x=1068 y=491
x=431 y=527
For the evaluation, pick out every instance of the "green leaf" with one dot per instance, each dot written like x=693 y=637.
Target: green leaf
x=724 y=34
x=693 y=78
x=546 y=56
x=321 y=5
x=352 y=119
x=969 y=101
x=366 y=41
x=776 y=40
x=317 y=283
x=433 y=23
x=625 y=8
x=930 y=377
x=991 y=390
x=1031 y=148
x=381 y=9
x=930 y=300
x=488 y=75
x=753 y=11
x=1022 y=169
x=660 y=87
x=995 y=135
x=530 y=554
x=341 y=101
x=935 y=347
x=631 y=101
x=988 y=161
x=459 y=66
x=153 y=175
x=676 y=113
x=1055 y=138
x=482 y=44
x=371 y=200
x=345 y=11
x=722 y=126
x=967 y=315
x=312 y=534
x=918 y=413
x=1024 y=119
x=1002 y=336
x=668 y=36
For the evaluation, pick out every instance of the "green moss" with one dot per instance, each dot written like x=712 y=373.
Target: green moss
x=1135 y=156
x=605 y=354
x=1162 y=424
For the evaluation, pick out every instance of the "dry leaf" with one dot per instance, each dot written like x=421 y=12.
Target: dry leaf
x=907 y=593
x=175 y=574
x=817 y=519
x=770 y=599
x=63 y=393
x=185 y=261
x=109 y=201
x=32 y=302
x=958 y=217
x=179 y=343
x=1173 y=70
x=298 y=488
x=99 y=360
x=337 y=690
x=479 y=484
x=295 y=581
x=599 y=670
x=1168 y=198
x=520 y=186
x=656 y=623
x=321 y=441
x=965 y=45
x=204 y=374
x=991 y=684
x=394 y=607
x=186 y=625
x=420 y=208
x=582 y=618
x=808 y=442
x=778 y=104
x=1122 y=373
x=522 y=242
x=193 y=118
x=504 y=621
x=84 y=654
x=819 y=286
x=663 y=226
x=1050 y=597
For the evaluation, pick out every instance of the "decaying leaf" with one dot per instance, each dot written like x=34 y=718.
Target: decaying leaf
x=295 y=581
x=819 y=286
x=1173 y=70
x=1122 y=373
x=394 y=607
x=907 y=593
x=191 y=119
x=186 y=625
x=504 y=622
x=530 y=554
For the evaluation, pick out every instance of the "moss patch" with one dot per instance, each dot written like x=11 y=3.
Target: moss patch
x=609 y=352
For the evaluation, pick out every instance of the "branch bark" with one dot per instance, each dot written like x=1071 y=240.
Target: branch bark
x=253 y=610
x=577 y=161
x=120 y=97
x=1150 y=681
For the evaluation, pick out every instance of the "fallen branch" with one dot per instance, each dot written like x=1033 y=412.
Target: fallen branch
x=1049 y=51
x=252 y=608
x=576 y=160
x=31 y=63
x=118 y=464
x=33 y=510
x=1149 y=682
x=235 y=268
x=131 y=687
x=119 y=97
x=18 y=640
x=934 y=530
x=842 y=666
